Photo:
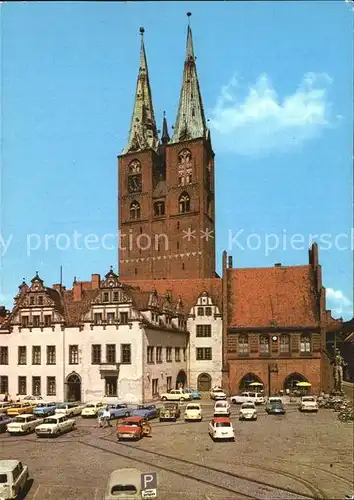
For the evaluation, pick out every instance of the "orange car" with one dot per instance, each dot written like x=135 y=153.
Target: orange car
x=19 y=408
x=133 y=428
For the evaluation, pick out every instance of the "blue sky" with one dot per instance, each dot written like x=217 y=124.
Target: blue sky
x=276 y=80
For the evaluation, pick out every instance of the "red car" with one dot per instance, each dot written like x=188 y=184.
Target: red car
x=133 y=428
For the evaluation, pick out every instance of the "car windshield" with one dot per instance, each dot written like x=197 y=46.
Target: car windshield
x=3 y=478
x=219 y=390
x=248 y=407
x=193 y=407
x=276 y=404
x=50 y=421
x=41 y=405
x=223 y=424
x=221 y=404
x=19 y=420
x=170 y=407
x=131 y=424
x=90 y=406
x=62 y=407
x=308 y=398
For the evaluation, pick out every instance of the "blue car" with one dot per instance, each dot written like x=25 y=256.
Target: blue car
x=44 y=409
x=4 y=420
x=194 y=394
x=119 y=411
x=146 y=411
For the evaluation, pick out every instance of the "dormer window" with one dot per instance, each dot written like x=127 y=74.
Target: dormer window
x=47 y=320
x=106 y=297
x=98 y=318
x=123 y=318
x=24 y=321
x=32 y=300
x=40 y=300
x=200 y=311
x=35 y=321
x=110 y=318
x=115 y=296
x=208 y=311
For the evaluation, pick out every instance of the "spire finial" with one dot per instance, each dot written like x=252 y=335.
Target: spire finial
x=142 y=30
x=111 y=268
x=189 y=18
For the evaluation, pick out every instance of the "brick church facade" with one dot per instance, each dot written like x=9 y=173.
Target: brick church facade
x=274 y=320
x=260 y=324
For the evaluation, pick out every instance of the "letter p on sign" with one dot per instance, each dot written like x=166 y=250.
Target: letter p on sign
x=149 y=485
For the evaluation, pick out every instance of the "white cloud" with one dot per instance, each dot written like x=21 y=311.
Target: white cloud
x=339 y=304
x=261 y=122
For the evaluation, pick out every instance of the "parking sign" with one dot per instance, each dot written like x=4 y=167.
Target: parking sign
x=149 y=485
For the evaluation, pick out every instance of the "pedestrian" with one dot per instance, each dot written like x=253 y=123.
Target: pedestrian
x=100 y=419
x=6 y=397
x=107 y=416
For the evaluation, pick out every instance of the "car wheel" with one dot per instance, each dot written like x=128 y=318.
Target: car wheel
x=181 y=400
x=164 y=398
x=126 y=414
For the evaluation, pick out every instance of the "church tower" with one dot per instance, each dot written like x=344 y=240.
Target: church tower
x=166 y=186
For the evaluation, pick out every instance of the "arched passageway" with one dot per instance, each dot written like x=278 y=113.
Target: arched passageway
x=291 y=381
x=181 y=380
x=73 y=387
x=247 y=380
x=204 y=382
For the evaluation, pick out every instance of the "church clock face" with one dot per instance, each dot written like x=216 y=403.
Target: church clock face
x=134 y=184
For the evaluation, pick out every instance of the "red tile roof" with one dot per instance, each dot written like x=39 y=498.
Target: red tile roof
x=284 y=296
x=189 y=289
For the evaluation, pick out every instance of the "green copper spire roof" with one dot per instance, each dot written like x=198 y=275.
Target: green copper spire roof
x=143 y=131
x=190 y=123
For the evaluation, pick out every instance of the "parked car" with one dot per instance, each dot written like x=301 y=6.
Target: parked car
x=275 y=399
x=69 y=409
x=170 y=411
x=275 y=408
x=31 y=399
x=222 y=408
x=248 y=411
x=44 y=409
x=23 y=424
x=221 y=428
x=92 y=409
x=195 y=394
x=4 y=420
x=119 y=411
x=134 y=427
x=248 y=397
x=13 y=478
x=55 y=425
x=146 y=411
x=176 y=395
x=308 y=403
x=193 y=411
x=217 y=394
x=19 y=408
x=124 y=483
x=4 y=407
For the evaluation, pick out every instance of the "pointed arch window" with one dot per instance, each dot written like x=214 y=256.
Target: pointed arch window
x=243 y=344
x=305 y=343
x=264 y=344
x=159 y=208
x=284 y=344
x=134 y=210
x=184 y=167
x=184 y=203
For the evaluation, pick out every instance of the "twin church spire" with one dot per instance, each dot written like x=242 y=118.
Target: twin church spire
x=190 y=123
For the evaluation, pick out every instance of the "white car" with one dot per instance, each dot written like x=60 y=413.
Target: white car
x=32 y=399
x=92 y=409
x=248 y=397
x=221 y=428
x=248 y=411
x=193 y=411
x=13 y=479
x=308 y=403
x=23 y=424
x=222 y=408
x=55 y=425
x=69 y=409
x=176 y=395
x=217 y=394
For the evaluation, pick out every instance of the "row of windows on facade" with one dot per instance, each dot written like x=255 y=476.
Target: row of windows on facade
x=264 y=343
x=154 y=354
x=73 y=358
x=184 y=206
x=35 y=319
x=155 y=385
x=51 y=386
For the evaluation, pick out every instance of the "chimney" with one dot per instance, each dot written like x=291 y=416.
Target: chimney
x=77 y=288
x=313 y=255
x=278 y=264
x=230 y=261
x=95 y=281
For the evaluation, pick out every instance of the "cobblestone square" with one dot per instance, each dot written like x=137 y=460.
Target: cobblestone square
x=295 y=456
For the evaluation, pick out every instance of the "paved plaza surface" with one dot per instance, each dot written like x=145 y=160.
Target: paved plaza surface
x=292 y=456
